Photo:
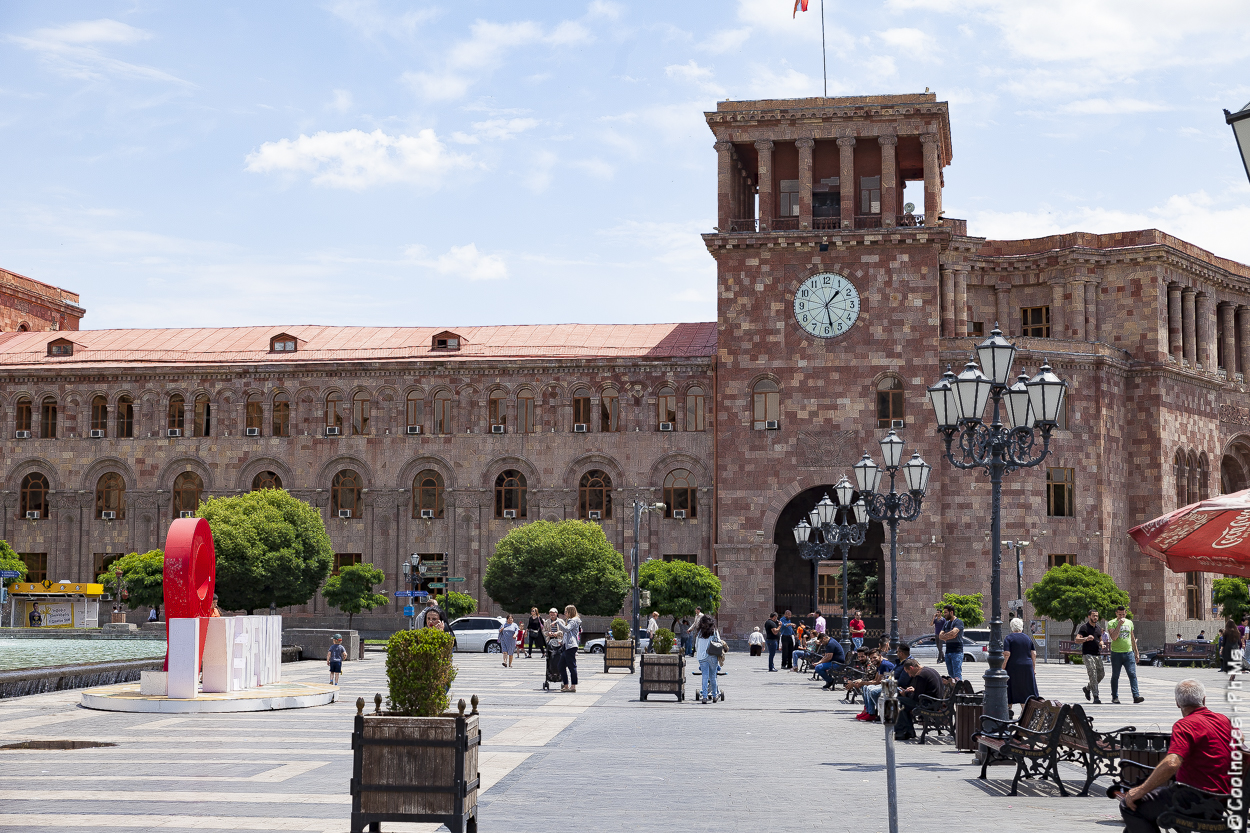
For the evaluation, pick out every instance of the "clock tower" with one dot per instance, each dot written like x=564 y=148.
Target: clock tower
x=829 y=314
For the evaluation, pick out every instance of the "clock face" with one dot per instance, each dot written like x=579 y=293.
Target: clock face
x=826 y=305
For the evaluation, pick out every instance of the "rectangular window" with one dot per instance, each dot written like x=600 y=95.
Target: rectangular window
x=103 y=564
x=870 y=195
x=689 y=558
x=889 y=407
x=976 y=329
x=442 y=415
x=23 y=415
x=255 y=414
x=695 y=404
x=416 y=411
x=1035 y=322
x=581 y=410
x=48 y=423
x=1193 y=596
x=125 y=418
x=281 y=417
x=497 y=410
x=525 y=413
x=789 y=198
x=1059 y=559
x=36 y=566
x=829 y=588
x=99 y=414
x=345 y=559
x=1059 y=493
x=360 y=415
x=609 y=412
x=666 y=408
x=203 y=417
x=767 y=409
x=827 y=199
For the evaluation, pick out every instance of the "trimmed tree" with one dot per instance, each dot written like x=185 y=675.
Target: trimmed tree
x=1068 y=593
x=9 y=560
x=1232 y=596
x=456 y=604
x=967 y=607
x=351 y=591
x=546 y=565
x=678 y=587
x=143 y=576
x=271 y=548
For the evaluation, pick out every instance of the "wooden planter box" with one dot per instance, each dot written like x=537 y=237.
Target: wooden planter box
x=662 y=674
x=415 y=769
x=618 y=653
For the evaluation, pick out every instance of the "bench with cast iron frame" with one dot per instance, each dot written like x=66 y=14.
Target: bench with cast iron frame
x=938 y=715
x=1098 y=752
x=1031 y=743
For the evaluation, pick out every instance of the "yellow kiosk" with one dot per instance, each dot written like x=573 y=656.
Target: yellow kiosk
x=56 y=605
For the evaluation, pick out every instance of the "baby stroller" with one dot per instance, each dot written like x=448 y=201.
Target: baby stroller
x=553 y=666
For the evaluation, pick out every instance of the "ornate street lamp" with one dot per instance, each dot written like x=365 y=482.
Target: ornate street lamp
x=848 y=532
x=892 y=507
x=959 y=404
x=1240 y=122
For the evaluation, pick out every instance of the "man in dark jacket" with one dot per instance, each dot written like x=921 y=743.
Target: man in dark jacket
x=924 y=682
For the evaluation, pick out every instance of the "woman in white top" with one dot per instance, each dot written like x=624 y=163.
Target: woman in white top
x=571 y=631
x=708 y=665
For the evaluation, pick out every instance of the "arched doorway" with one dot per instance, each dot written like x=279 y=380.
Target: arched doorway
x=1235 y=466
x=794 y=578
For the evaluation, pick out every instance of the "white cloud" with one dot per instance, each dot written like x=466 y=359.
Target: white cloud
x=595 y=167
x=770 y=82
x=357 y=160
x=92 y=31
x=342 y=101
x=726 y=40
x=495 y=130
x=692 y=73
x=71 y=50
x=468 y=263
x=776 y=17
x=371 y=21
x=604 y=8
x=918 y=45
x=444 y=86
x=1114 y=106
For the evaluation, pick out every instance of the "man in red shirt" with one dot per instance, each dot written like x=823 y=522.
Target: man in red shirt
x=1199 y=757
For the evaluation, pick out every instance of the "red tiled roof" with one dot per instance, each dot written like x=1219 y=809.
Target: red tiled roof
x=250 y=345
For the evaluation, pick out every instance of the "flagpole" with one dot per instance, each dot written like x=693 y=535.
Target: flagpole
x=824 y=64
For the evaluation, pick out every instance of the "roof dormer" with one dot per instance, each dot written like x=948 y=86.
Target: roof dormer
x=446 y=341
x=285 y=343
x=60 y=348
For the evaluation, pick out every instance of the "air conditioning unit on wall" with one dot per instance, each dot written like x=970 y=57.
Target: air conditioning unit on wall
x=896 y=423
x=680 y=514
x=509 y=513
x=33 y=514
x=427 y=513
x=497 y=429
x=108 y=516
x=345 y=513
x=23 y=435
x=666 y=426
x=579 y=428
x=97 y=433
x=594 y=514
x=772 y=425
x=414 y=429
x=332 y=430
x=186 y=514
x=252 y=432
x=174 y=432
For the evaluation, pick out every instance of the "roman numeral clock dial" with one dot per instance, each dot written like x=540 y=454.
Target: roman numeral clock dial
x=826 y=305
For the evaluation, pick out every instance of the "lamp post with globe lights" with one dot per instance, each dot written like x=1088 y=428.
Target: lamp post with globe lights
x=1030 y=405
x=892 y=506
x=841 y=535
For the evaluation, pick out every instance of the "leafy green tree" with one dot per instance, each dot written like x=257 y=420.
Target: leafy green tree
x=967 y=607
x=351 y=591
x=678 y=587
x=1068 y=593
x=271 y=548
x=1232 y=596
x=143 y=577
x=456 y=604
x=546 y=565
x=10 y=561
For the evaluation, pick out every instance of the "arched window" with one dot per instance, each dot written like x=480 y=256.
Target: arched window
x=666 y=408
x=34 y=495
x=525 y=411
x=610 y=410
x=345 y=494
x=1181 y=472
x=594 y=494
x=442 y=412
x=1204 y=476
x=125 y=416
x=890 y=402
x=427 y=495
x=177 y=413
x=202 y=425
x=1192 y=466
x=581 y=407
x=415 y=411
x=254 y=415
x=766 y=405
x=281 y=415
x=334 y=411
x=510 y=494
x=187 y=490
x=110 y=496
x=100 y=415
x=47 y=422
x=695 y=405
x=266 y=480
x=497 y=409
x=23 y=413
x=360 y=414
x=680 y=494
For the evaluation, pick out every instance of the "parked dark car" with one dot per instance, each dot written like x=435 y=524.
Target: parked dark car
x=1186 y=652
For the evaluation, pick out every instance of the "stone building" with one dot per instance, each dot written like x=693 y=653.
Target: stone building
x=841 y=296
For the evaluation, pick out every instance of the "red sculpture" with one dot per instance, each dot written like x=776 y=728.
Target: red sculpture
x=190 y=575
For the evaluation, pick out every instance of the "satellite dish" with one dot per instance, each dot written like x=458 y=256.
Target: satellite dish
x=909 y=208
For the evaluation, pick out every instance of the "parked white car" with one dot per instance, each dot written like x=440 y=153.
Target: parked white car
x=596 y=646
x=476 y=634
x=924 y=648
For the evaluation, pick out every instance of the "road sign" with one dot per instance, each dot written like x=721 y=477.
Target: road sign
x=456 y=578
x=421 y=594
x=404 y=594
x=437 y=584
x=10 y=574
x=410 y=611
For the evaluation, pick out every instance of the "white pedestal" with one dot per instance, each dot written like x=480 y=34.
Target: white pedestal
x=153 y=683
x=217 y=655
x=184 y=658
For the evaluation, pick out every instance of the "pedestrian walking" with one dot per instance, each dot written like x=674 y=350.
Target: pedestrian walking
x=691 y=632
x=821 y=624
x=772 y=637
x=653 y=625
x=431 y=617
x=687 y=643
x=570 y=628
x=152 y=617
x=756 y=642
x=1124 y=654
x=508 y=637
x=1019 y=656
x=1230 y=640
x=939 y=621
x=335 y=657
x=708 y=651
x=1089 y=637
x=534 y=634
x=858 y=632
x=952 y=635
x=787 y=640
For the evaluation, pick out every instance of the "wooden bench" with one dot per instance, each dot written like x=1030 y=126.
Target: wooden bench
x=1098 y=752
x=938 y=716
x=1032 y=742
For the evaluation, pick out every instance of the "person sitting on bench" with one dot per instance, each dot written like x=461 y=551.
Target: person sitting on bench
x=813 y=648
x=832 y=658
x=925 y=682
x=880 y=666
x=873 y=692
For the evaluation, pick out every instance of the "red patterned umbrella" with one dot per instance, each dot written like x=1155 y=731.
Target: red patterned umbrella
x=1211 y=536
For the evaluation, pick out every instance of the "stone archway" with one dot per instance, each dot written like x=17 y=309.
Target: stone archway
x=1235 y=466
x=794 y=578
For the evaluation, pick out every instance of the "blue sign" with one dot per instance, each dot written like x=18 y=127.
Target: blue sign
x=10 y=574
x=410 y=611
x=404 y=594
x=421 y=594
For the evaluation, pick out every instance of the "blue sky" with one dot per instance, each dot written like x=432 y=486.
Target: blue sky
x=375 y=163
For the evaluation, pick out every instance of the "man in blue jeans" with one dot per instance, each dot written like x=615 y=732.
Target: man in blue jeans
x=952 y=640
x=834 y=657
x=1123 y=654
x=772 y=637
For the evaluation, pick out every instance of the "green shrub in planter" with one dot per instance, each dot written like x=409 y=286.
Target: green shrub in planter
x=662 y=643
x=419 y=672
x=619 y=629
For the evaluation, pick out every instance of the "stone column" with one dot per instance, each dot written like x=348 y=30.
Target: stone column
x=1229 y=338
x=932 y=178
x=1243 y=340
x=1056 y=310
x=1206 y=330
x=1176 y=345
x=1188 y=342
x=805 y=181
x=961 y=303
x=1075 y=297
x=1002 y=309
x=846 y=178
x=889 y=180
x=725 y=170
x=1091 y=312
x=948 y=302
x=768 y=205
